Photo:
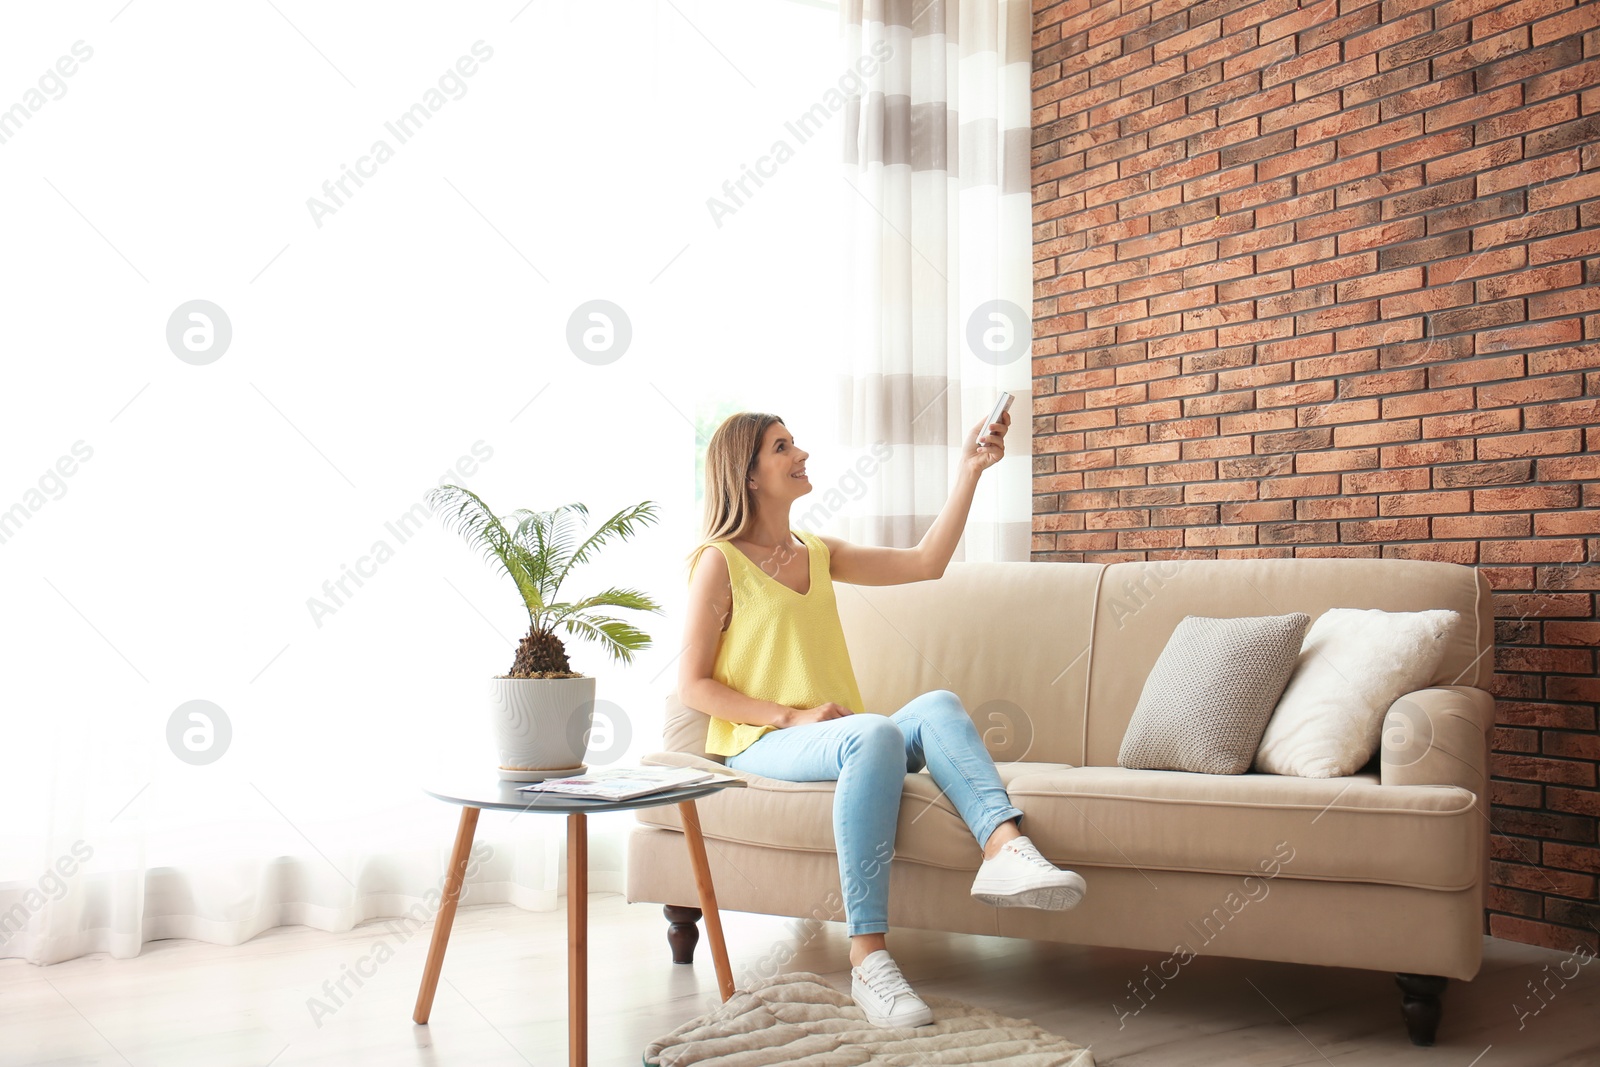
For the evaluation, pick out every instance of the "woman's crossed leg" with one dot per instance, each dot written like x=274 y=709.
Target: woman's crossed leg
x=869 y=756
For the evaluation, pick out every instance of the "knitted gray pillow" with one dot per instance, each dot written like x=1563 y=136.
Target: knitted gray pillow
x=1207 y=700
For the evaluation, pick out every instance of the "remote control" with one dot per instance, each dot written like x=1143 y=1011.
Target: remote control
x=1001 y=406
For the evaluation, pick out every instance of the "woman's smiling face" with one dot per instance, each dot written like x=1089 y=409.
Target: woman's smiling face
x=780 y=465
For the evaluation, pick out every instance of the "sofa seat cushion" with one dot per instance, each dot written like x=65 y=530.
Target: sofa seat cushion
x=1348 y=829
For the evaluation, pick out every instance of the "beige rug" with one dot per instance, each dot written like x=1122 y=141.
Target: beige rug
x=801 y=1019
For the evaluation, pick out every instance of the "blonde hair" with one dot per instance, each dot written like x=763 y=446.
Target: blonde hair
x=731 y=456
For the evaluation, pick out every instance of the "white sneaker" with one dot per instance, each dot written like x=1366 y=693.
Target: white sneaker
x=1019 y=877
x=883 y=993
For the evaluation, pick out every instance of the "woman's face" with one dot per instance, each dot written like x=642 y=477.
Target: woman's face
x=779 y=471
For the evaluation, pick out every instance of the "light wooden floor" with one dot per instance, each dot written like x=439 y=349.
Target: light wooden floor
x=502 y=999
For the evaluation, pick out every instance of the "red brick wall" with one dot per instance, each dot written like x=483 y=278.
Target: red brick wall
x=1319 y=279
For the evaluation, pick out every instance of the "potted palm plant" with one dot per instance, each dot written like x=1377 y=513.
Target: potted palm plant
x=542 y=710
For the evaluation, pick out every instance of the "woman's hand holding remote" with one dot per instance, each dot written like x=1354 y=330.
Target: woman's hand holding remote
x=993 y=451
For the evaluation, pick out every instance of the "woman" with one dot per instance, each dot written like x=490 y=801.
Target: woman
x=764 y=655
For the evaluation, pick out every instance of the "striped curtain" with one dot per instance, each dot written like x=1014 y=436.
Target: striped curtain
x=938 y=264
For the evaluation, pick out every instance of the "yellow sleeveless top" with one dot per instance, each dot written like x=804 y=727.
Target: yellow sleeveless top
x=780 y=646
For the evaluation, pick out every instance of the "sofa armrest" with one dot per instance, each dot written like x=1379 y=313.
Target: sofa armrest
x=685 y=729
x=699 y=763
x=1439 y=736
x=668 y=814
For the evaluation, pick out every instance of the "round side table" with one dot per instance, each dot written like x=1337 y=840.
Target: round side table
x=477 y=793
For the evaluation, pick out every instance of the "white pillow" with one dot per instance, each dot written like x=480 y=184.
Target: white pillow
x=1355 y=663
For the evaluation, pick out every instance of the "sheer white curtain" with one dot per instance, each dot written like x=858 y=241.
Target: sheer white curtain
x=248 y=532
x=938 y=262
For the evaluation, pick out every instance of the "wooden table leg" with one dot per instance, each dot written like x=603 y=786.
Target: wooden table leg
x=447 y=913
x=577 y=940
x=708 y=895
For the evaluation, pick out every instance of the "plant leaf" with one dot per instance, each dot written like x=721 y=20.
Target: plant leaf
x=468 y=513
x=529 y=536
x=610 y=598
x=545 y=535
x=619 y=638
x=624 y=523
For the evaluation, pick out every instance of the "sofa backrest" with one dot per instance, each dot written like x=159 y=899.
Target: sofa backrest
x=1030 y=646
x=1140 y=604
x=1010 y=639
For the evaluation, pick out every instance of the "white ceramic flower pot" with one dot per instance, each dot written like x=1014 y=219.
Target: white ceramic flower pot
x=541 y=725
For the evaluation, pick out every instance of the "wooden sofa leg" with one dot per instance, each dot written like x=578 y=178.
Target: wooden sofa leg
x=1419 y=1003
x=682 y=933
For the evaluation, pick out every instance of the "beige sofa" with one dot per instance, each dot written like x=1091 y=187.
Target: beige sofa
x=1385 y=869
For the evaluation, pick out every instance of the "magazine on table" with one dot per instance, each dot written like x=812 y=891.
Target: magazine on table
x=625 y=783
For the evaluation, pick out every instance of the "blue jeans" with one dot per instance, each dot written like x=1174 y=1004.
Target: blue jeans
x=870 y=755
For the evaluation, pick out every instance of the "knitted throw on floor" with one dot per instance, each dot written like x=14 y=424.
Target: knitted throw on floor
x=799 y=1019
